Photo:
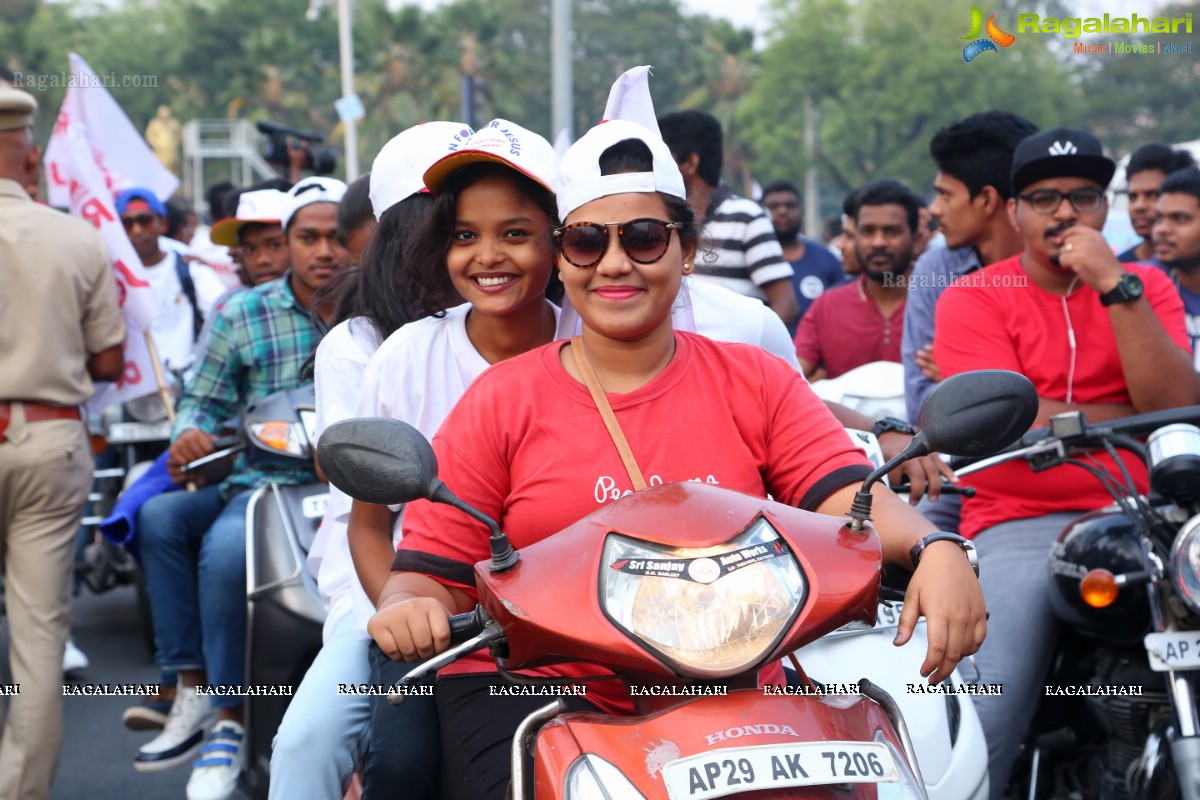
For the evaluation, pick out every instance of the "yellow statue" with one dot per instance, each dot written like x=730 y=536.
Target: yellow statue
x=163 y=134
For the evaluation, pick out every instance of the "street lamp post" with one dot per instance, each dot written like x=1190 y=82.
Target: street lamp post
x=349 y=107
x=346 y=51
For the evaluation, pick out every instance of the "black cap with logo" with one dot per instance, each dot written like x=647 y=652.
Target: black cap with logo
x=1060 y=153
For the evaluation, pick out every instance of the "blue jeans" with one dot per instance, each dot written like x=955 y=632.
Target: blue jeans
x=405 y=747
x=193 y=548
x=324 y=734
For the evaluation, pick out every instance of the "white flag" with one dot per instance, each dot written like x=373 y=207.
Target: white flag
x=90 y=199
x=119 y=151
x=629 y=99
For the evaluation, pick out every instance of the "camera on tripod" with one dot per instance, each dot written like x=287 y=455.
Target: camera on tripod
x=317 y=160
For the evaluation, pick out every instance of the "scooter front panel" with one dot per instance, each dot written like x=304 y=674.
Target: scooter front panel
x=729 y=746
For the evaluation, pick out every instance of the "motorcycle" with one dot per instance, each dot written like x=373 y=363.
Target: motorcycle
x=1126 y=588
x=688 y=589
x=284 y=611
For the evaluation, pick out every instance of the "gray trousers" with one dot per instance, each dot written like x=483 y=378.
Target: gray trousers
x=1014 y=570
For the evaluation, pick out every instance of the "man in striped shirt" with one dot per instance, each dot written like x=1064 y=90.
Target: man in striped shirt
x=745 y=255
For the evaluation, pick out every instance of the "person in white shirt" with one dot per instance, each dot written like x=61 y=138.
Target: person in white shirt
x=184 y=293
x=323 y=734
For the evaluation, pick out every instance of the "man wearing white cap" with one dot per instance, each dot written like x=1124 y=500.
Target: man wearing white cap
x=61 y=329
x=194 y=543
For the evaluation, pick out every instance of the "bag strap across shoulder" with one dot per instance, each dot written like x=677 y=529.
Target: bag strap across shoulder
x=606 y=413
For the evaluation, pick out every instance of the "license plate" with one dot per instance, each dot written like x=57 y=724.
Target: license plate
x=734 y=770
x=134 y=432
x=888 y=615
x=313 y=506
x=1173 y=650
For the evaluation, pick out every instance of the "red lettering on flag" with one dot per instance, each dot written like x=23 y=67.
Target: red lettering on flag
x=95 y=212
x=129 y=278
x=54 y=176
x=130 y=376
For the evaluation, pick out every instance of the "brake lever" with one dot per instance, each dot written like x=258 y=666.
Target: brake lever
x=490 y=633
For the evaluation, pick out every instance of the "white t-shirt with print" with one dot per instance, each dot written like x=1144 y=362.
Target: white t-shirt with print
x=416 y=375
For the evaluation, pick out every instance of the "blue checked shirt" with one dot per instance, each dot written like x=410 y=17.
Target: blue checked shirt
x=259 y=341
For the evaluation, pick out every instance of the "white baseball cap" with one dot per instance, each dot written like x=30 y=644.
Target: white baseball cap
x=580 y=181
x=398 y=172
x=312 y=190
x=265 y=206
x=501 y=142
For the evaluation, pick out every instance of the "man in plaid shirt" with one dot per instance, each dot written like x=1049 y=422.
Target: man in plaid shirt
x=193 y=544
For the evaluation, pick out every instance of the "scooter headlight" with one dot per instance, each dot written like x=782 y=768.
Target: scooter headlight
x=710 y=612
x=593 y=778
x=1185 y=563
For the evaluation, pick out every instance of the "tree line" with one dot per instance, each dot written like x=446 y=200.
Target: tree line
x=881 y=76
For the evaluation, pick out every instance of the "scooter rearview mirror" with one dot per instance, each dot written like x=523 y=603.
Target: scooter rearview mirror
x=381 y=461
x=387 y=462
x=977 y=413
x=970 y=414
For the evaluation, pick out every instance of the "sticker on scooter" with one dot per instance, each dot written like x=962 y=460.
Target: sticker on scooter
x=704 y=569
x=744 y=769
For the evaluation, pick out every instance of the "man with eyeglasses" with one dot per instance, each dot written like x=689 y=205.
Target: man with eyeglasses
x=1148 y=167
x=1093 y=335
x=183 y=292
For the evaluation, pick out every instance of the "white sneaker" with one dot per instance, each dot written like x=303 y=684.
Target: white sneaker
x=182 y=734
x=73 y=658
x=215 y=774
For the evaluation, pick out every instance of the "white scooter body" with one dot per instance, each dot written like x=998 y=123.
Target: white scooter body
x=875 y=389
x=945 y=729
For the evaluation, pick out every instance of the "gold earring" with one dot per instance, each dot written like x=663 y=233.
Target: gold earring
x=688 y=268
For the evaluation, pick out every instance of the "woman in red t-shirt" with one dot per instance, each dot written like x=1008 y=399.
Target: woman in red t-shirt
x=526 y=445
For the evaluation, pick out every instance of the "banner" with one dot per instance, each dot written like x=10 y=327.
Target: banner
x=90 y=199
x=119 y=152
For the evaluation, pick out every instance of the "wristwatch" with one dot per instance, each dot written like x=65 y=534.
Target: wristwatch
x=942 y=536
x=1128 y=289
x=890 y=425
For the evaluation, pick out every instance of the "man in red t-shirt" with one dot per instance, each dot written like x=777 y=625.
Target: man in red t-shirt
x=1093 y=335
x=860 y=322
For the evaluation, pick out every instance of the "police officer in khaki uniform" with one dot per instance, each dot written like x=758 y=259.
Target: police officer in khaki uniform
x=60 y=328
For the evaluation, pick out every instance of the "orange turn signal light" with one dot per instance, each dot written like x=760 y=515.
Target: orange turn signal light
x=99 y=444
x=274 y=435
x=1099 y=588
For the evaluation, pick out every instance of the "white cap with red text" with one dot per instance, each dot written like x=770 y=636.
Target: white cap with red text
x=501 y=142
x=264 y=206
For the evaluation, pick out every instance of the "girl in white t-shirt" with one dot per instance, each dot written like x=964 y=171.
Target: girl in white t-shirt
x=322 y=737
x=487 y=241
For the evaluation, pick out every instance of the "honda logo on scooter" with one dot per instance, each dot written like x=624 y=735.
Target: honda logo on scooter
x=748 y=730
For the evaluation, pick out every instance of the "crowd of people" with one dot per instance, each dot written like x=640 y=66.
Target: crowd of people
x=462 y=286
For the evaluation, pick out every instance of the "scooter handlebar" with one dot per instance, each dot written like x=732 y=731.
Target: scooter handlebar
x=467 y=626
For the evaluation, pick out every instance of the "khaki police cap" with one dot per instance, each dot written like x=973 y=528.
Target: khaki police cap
x=16 y=108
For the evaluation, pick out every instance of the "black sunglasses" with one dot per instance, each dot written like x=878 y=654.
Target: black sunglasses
x=144 y=220
x=645 y=240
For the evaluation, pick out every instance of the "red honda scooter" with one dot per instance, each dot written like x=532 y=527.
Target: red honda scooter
x=686 y=591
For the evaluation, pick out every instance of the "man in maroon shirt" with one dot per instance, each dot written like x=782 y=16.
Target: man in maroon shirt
x=861 y=321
